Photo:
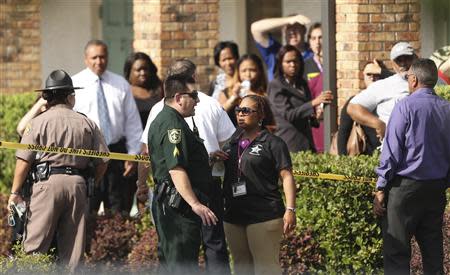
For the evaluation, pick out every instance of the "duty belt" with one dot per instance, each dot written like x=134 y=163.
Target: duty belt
x=66 y=170
x=43 y=171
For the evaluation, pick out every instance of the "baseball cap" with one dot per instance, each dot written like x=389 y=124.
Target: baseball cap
x=401 y=48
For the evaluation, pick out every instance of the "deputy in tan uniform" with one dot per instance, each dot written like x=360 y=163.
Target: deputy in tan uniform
x=58 y=203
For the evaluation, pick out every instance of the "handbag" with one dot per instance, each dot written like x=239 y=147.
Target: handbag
x=334 y=147
x=357 y=141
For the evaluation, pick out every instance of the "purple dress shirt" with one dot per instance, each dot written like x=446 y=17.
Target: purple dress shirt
x=417 y=141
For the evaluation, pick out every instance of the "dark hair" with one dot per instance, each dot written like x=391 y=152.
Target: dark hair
x=279 y=71
x=96 y=42
x=153 y=82
x=296 y=26
x=223 y=45
x=182 y=66
x=261 y=82
x=426 y=71
x=263 y=108
x=176 y=84
x=314 y=26
x=55 y=97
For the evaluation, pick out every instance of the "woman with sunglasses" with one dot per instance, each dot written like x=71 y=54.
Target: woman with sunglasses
x=255 y=216
x=291 y=101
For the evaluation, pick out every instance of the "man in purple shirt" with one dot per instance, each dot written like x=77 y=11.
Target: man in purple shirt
x=414 y=174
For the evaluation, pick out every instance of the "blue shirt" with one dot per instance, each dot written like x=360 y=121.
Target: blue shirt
x=417 y=141
x=269 y=55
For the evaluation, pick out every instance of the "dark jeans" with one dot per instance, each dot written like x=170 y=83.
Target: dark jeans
x=213 y=237
x=414 y=208
x=115 y=191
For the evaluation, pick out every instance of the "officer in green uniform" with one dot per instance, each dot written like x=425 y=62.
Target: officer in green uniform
x=182 y=174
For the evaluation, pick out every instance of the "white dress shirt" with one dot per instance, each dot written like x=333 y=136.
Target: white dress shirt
x=380 y=96
x=213 y=124
x=123 y=113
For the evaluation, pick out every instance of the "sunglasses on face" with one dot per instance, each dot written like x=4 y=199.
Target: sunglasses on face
x=193 y=94
x=244 y=110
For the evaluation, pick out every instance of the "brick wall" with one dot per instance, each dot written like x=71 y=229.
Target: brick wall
x=173 y=29
x=20 y=68
x=367 y=29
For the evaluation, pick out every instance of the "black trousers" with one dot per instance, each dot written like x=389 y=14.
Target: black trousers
x=115 y=191
x=178 y=240
x=414 y=208
x=213 y=237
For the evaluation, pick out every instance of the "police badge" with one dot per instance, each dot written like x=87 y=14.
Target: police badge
x=174 y=135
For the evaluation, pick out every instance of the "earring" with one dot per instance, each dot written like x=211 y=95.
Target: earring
x=260 y=123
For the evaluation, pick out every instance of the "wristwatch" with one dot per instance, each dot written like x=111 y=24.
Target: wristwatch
x=291 y=209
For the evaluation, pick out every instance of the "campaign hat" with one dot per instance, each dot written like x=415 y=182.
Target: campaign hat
x=58 y=80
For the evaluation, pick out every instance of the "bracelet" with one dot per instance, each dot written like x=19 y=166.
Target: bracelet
x=15 y=193
x=291 y=209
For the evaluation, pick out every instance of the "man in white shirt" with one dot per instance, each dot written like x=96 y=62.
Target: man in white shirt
x=107 y=100
x=373 y=106
x=215 y=128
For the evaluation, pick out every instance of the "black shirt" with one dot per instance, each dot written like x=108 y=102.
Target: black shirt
x=261 y=163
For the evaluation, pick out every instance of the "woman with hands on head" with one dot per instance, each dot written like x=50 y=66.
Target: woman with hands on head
x=255 y=216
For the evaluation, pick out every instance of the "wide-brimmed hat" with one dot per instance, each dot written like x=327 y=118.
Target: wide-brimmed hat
x=58 y=80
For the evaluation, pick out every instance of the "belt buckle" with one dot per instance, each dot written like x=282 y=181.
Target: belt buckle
x=69 y=170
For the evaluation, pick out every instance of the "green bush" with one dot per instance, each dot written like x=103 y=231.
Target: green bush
x=23 y=263
x=443 y=91
x=12 y=109
x=340 y=213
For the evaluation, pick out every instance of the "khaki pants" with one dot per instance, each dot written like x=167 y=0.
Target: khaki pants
x=58 y=204
x=256 y=247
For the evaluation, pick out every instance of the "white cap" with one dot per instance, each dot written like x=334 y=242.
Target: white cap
x=401 y=48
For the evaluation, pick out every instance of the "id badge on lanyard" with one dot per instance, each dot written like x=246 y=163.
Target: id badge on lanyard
x=239 y=188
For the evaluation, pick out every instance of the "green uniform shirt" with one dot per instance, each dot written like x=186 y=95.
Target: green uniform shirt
x=172 y=143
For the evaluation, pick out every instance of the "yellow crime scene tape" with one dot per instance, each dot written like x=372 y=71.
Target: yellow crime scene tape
x=146 y=159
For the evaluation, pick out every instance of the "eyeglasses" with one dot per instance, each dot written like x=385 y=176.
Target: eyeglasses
x=407 y=76
x=193 y=94
x=244 y=110
x=373 y=75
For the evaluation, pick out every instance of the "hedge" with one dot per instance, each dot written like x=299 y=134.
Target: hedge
x=12 y=109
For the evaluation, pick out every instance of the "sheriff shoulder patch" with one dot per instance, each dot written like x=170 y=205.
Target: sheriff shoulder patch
x=174 y=135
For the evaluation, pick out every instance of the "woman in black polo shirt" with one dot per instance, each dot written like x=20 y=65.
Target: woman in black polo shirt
x=255 y=216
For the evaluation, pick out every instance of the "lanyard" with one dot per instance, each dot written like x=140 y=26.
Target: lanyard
x=245 y=144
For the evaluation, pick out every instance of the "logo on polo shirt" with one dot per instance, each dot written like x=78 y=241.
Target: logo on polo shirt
x=255 y=149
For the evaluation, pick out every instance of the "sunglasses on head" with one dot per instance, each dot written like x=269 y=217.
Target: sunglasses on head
x=193 y=94
x=244 y=110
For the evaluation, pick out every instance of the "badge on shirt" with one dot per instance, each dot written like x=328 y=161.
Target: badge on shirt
x=239 y=188
x=174 y=135
x=255 y=149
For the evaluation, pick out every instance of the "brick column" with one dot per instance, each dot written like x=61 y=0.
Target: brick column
x=173 y=29
x=367 y=29
x=20 y=67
